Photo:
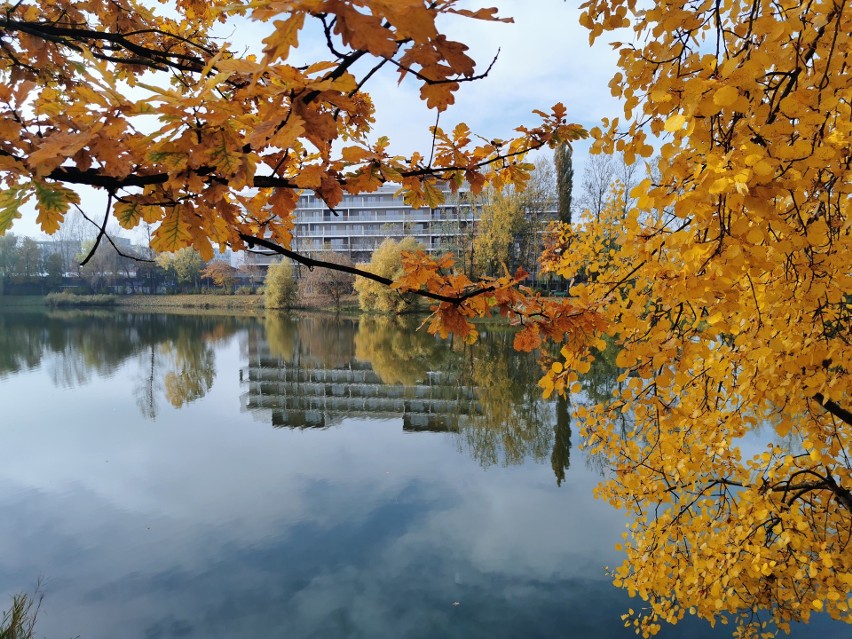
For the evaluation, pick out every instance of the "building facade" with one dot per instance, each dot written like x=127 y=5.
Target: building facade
x=361 y=222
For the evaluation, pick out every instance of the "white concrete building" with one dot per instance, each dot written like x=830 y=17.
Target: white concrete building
x=360 y=223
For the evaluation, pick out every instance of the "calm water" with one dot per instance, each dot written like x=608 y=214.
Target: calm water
x=195 y=476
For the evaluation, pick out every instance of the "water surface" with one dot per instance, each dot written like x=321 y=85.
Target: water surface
x=200 y=476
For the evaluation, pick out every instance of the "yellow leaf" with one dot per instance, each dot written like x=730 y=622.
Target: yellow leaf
x=725 y=96
x=285 y=36
x=433 y=196
x=52 y=202
x=439 y=96
x=674 y=122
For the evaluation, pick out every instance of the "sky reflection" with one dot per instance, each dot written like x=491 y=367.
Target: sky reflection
x=208 y=522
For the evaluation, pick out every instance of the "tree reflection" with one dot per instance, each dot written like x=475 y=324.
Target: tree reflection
x=281 y=335
x=19 y=352
x=398 y=353
x=313 y=371
x=148 y=386
x=560 y=458
x=174 y=353
x=192 y=366
x=515 y=422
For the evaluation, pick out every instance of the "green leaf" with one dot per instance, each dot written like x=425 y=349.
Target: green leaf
x=10 y=203
x=52 y=203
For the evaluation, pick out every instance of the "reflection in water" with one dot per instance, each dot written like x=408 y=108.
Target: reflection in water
x=397 y=351
x=516 y=423
x=560 y=459
x=174 y=354
x=208 y=527
x=311 y=372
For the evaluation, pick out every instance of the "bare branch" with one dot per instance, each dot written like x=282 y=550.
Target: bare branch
x=311 y=263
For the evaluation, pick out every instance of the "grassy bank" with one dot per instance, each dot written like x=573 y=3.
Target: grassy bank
x=190 y=301
x=167 y=302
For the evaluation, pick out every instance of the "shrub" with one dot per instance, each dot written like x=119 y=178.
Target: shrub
x=386 y=261
x=70 y=299
x=280 y=286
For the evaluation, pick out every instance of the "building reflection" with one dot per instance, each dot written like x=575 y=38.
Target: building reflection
x=313 y=372
x=306 y=390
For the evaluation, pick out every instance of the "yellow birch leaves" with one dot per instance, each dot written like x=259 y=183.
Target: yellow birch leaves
x=727 y=295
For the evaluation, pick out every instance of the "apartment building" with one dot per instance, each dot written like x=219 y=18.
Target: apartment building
x=361 y=222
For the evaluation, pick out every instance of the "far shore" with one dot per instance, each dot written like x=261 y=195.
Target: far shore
x=253 y=303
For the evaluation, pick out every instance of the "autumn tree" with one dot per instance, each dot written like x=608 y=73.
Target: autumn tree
x=8 y=257
x=564 y=165
x=28 y=262
x=280 y=288
x=221 y=274
x=501 y=220
x=508 y=234
x=185 y=265
x=239 y=134
x=54 y=269
x=387 y=261
x=332 y=286
x=726 y=298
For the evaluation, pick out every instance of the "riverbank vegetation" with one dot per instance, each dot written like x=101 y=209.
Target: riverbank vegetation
x=719 y=282
x=70 y=299
x=18 y=622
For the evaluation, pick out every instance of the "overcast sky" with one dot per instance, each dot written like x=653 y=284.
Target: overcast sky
x=544 y=58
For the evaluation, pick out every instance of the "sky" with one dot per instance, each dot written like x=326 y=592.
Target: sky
x=544 y=58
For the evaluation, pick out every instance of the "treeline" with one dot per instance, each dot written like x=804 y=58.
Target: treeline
x=30 y=267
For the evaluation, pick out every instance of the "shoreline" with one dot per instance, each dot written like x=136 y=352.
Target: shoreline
x=188 y=301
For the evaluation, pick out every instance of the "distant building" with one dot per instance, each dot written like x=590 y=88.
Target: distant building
x=360 y=223
x=68 y=249
x=227 y=257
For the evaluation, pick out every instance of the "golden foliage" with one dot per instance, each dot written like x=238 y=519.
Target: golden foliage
x=387 y=261
x=280 y=288
x=178 y=125
x=726 y=297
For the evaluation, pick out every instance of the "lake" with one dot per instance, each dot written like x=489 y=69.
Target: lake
x=205 y=476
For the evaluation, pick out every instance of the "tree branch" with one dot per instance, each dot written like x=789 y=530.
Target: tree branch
x=834 y=408
x=310 y=262
x=101 y=232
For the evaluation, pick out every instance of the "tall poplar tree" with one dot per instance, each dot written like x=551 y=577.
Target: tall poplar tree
x=563 y=159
